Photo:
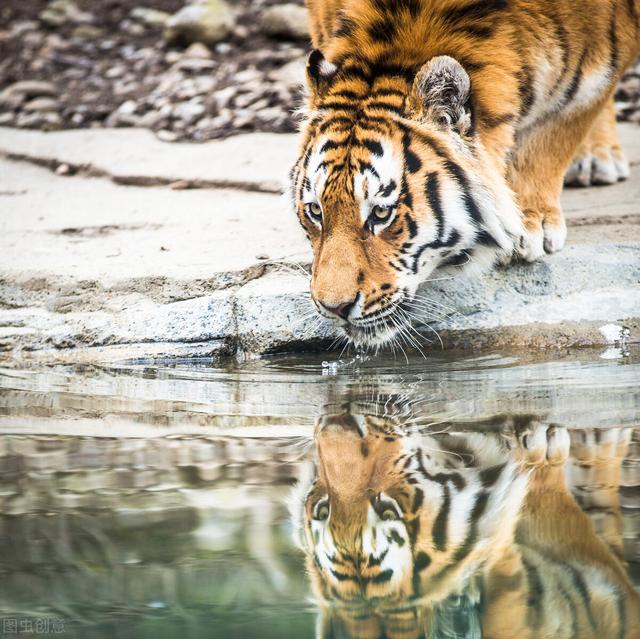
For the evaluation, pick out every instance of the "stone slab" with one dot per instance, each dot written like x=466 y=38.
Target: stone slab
x=257 y=161
x=70 y=229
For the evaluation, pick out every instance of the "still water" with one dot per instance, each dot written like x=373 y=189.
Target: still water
x=453 y=497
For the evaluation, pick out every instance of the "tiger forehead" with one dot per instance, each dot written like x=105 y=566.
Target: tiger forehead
x=369 y=162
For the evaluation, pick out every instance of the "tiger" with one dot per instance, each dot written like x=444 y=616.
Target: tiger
x=414 y=536
x=438 y=133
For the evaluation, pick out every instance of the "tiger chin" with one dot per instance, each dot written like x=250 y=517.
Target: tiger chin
x=439 y=133
x=467 y=535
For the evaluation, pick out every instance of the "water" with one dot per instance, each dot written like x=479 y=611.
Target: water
x=490 y=496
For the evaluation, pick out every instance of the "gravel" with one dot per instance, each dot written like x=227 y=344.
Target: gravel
x=91 y=63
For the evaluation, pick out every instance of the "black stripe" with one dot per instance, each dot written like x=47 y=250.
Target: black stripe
x=345 y=26
x=463 y=181
x=581 y=586
x=432 y=187
x=525 y=90
x=489 y=476
x=373 y=146
x=452 y=240
x=534 y=595
x=476 y=10
x=383 y=30
x=574 y=85
x=418 y=498
x=382 y=577
x=439 y=533
x=421 y=561
x=387 y=106
x=613 y=40
x=572 y=608
x=341 y=106
x=341 y=576
x=367 y=166
x=492 y=121
x=476 y=30
x=376 y=561
x=476 y=513
x=393 y=536
x=411 y=160
x=333 y=121
x=386 y=191
x=329 y=145
x=346 y=94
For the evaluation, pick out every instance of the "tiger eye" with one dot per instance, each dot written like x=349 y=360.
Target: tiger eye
x=388 y=514
x=321 y=512
x=315 y=209
x=381 y=213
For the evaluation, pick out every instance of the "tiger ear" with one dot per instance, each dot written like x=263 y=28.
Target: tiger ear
x=320 y=72
x=442 y=90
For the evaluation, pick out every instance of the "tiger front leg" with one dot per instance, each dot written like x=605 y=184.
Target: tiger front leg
x=543 y=220
x=536 y=175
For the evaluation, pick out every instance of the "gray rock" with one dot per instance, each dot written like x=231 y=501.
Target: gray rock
x=291 y=74
x=286 y=21
x=42 y=120
x=150 y=17
x=60 y=12
x=207 y=21
x=188 y=112
x=41 y=105
x=30 y=89
x=197 y=50
x=86 y=32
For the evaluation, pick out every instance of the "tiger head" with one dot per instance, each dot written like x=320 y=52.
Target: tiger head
x=389 y=520
x=391 y=182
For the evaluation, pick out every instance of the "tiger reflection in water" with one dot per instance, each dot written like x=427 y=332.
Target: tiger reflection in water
x=413 y=536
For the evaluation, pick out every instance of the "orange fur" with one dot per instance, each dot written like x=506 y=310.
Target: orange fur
x=388 y=94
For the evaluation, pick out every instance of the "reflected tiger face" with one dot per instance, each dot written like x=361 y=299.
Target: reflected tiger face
x=390 y=184
x=392 y=519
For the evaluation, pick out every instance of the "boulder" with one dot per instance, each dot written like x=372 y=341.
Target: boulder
x=288 y=21
x=206 y=21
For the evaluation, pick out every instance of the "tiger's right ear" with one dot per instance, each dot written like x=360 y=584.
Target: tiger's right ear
x=320 y=73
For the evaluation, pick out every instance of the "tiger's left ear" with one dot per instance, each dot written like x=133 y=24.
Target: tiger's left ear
x=320 y=73
x=442 y=94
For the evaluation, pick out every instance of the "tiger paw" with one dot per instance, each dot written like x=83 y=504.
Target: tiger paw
x=530 y=247
x=543 y=445
x=598 y=166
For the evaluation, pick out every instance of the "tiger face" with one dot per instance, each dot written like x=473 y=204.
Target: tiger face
x=390 y=520
x=391 y=183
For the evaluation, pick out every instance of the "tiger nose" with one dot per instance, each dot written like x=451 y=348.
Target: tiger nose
x=341 y=310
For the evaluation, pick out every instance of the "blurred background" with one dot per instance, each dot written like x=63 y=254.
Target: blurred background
x=193 y=71
x=189 y=71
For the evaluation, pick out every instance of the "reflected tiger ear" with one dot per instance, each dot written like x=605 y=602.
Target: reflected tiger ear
x=442 y=91
x=320 y=73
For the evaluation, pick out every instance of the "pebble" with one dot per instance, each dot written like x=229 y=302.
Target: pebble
x=207 y=21
x=286 y=20
x=188 y=112
x=41 y=105
x=150 y=17
x=197 y=50
x=31 y=88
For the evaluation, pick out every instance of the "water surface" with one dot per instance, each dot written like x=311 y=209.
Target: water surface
x=284 y=498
